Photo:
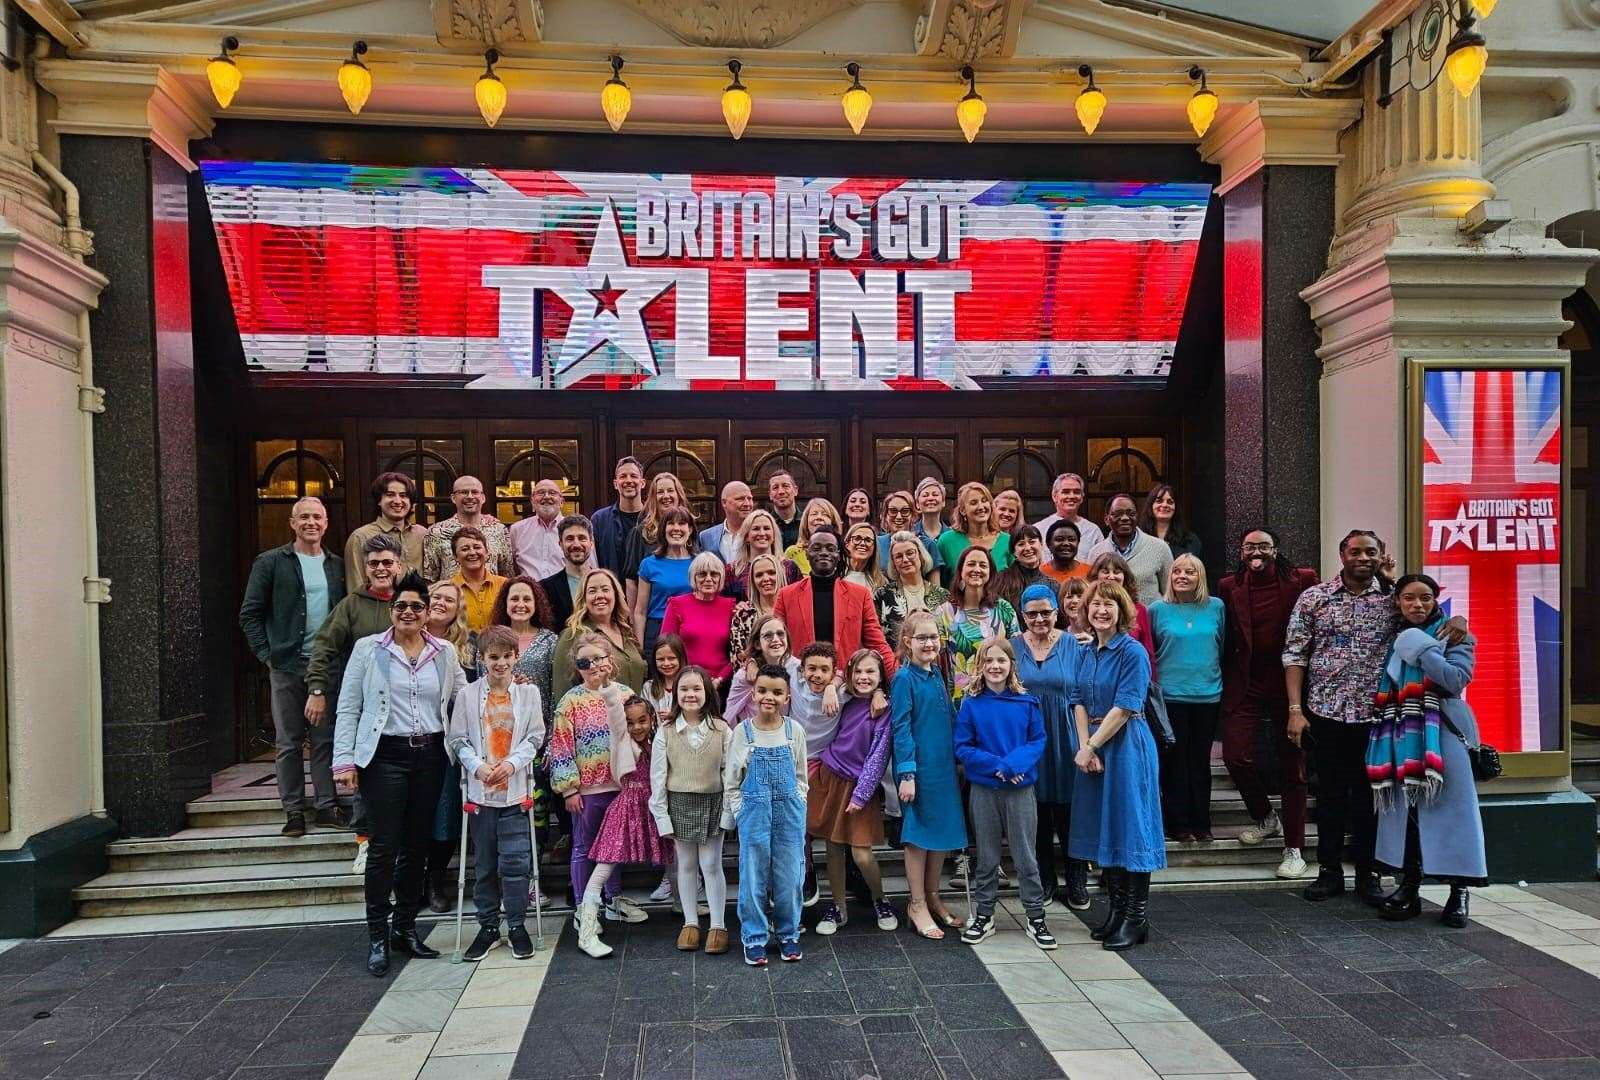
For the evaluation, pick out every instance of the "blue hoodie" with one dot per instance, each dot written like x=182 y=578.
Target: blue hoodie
x=1000 y=733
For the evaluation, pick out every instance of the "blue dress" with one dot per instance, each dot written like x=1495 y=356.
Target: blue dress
x=1116 y=814
x=924 y=747
x=1052 y=682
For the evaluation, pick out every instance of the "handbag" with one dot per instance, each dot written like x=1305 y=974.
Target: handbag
x=1155 y=714
x=1485 y=759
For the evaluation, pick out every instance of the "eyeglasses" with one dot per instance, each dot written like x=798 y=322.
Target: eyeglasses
x=863 y=539
x=1257 y=547
x=1038 y=614
x=408 y=605
x=924 y=637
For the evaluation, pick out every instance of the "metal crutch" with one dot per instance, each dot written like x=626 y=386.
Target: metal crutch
x=461 y=872
x=533 y=845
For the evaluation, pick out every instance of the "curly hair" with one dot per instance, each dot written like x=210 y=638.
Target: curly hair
x=544 y=615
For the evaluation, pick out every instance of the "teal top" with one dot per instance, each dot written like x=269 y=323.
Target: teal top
x=317 y=605
x=1189 y=649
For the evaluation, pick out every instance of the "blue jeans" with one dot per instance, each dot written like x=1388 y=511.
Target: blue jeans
x=772 y=830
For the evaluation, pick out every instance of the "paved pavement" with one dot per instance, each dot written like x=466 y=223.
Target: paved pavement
x=1233 y=985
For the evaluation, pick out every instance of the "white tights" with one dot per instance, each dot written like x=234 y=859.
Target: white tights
x=694 y=861
x=597 y=881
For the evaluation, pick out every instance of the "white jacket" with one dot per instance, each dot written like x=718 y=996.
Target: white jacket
x=464 y=739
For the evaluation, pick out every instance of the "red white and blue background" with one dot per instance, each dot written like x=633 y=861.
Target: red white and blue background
x=555 y=280
x=1491 y=532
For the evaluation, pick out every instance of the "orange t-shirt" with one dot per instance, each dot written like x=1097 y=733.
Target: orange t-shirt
x=1048 y=569
x=498 y=724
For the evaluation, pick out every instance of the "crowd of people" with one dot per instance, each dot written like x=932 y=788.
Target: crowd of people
x=642 y=686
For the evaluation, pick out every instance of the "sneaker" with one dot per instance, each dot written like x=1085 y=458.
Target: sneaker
x=1039 y=931
x=790 y=951
x=521 y=943
x=1293 y=865
x=488 y=937
x=663 y=892
x=334 y=817
x=1266 y=829
x=887 y=920
x=295 y=825
x=755 y=955
x=358 y=865
x=958 y=880
x=622 y=909
x=979 y=928
x=537 y=899
x=832 y=919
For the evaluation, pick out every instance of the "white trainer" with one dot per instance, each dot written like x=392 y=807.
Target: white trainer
x=663 y=891
x=1293 y=864
x=624 y=910
x=1266 y=829
x=359 y=864
x=589 y=932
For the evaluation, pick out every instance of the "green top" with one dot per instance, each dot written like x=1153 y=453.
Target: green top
x=952 y=543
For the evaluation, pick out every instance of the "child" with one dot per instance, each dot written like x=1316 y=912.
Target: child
x=670 y=658
x=925 y=770
x=589 y=750
x=814 y=705
x=686 y=799
x=764 y=793
x=843 y=805
x=628 y=834
x=494 y=732
x=999 y=738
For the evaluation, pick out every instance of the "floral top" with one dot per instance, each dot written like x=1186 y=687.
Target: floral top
x=439 y=563
x=537 y=663
x=1341 y=639
x=740 y=627
x=894 y=605
x=963 y=632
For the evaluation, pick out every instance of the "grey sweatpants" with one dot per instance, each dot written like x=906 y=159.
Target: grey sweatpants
x=502 y=860
x=290 y=729
x=1017 y=812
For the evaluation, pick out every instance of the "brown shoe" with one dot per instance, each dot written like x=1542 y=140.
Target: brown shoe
x=689 y=939
x=716 y=941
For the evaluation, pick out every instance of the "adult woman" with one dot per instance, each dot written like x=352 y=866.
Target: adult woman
x=817 y=512
x=1188 y=627
x=972 y=525
x=665 y=573
x=1428 y=821
x=861 y=557
x=447 y=621
x=1047 y=664
x=759 y=535
x=908 y=588
x=1062 y=541
x=857 y=507
x=1113 y=568
x=389 y=740
x=1159 y=517
x=1116 y=805
x=701 y=617
x=973 y=614
x=1007 y=510
x=1027 y=559
x=525 y=608
x=899 y=511
x=600 y=609
x=762 y=582
x=666 y=492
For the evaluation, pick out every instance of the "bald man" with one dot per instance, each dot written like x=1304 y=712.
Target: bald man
x=467 y=495
x=723 y=537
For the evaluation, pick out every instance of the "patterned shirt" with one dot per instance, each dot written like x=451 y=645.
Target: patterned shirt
x=498 y=724
x=1341 y=639
x=580 y=742
x=439 y=562
x=964 y=632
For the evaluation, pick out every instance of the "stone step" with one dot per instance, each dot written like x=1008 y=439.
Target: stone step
x=230 y=845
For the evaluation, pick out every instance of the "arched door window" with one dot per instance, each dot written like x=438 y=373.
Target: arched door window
x=287 y=470
x=434 y=463
x=804 y=458
x=1131 y=464
x=1027 y=463
x=899 y=462
x=693 y=461
x=519 y=464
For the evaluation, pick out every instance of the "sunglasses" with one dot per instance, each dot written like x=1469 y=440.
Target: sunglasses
x=1038 y=614
x=408 y=605
x=584 y=663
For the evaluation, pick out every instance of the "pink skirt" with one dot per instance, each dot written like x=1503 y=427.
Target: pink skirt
x=628 y=833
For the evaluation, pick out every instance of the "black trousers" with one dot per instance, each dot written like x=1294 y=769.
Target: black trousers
x=1054 y=821
x=400 y=786
x=1186 y=768
x=1344 y=798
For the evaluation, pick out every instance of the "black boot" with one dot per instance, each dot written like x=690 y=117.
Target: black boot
x=441 y=898
x=1329 y=883
x=1115 y=880
x=378 y=957
x=1404 y=903
x=1455 y=908
x=1135 y=926
x=408 y=942
x=1368 y=886
x=1077 y=885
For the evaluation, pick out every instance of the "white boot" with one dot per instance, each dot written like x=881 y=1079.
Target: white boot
x=589 y=931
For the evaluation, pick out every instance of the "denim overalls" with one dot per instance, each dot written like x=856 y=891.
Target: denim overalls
x=772 y=829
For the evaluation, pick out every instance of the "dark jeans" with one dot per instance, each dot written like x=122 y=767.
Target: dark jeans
x=290 y=731
x=1344 y=798
x=1239 y=730
x=1186 y=767
x=1055 y=819
x=400 y=786
x=502 y=859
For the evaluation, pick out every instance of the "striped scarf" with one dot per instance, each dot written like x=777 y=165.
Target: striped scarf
x=1404 y=757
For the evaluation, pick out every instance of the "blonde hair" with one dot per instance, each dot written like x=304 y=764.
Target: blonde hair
x=1013 y=683
x=578 y=622
x=742 y=556
x=459 y=635
x=650 y=520
x=908 y=628
x=1110 y=590
x=873 y=571
x=707 y=561
x=1201 y=593
x=958 y=519
x=750 y=594
x=924 y=559
x=833 y=516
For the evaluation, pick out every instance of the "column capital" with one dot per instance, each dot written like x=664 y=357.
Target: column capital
x=1277 y=131
x=104 y=97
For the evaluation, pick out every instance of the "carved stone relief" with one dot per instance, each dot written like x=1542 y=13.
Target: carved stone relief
x=969 y=30
x=477 y=24
x=737 y=24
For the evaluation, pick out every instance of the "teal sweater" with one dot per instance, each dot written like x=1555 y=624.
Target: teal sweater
x=1189 y=649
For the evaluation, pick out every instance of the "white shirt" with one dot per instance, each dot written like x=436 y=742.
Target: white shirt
x=415 y=705
x=536 y=547
x=1089 y=534
x=805 y=708
x=697 y=736
x=729 y=544
x=736 y=761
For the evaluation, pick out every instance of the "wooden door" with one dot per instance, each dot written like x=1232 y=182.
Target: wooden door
x=699 y=452
x=812 y=451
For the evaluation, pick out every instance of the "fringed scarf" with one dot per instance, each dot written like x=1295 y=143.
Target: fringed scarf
x=1404 y=758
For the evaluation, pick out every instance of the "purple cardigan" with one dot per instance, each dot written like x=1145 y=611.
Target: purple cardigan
x=860 y=750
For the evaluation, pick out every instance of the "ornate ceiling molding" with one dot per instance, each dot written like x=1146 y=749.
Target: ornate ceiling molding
x=474 y=25
x=738 y=24
x=969 y=30
x=103 y=97
x=1277 y=131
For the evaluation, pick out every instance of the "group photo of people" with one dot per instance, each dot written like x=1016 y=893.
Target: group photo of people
x=1034 y=706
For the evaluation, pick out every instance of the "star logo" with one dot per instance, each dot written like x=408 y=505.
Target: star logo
x=605 y=297
x=1460 y=528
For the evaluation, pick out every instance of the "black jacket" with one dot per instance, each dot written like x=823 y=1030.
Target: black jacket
x=273 y=614
x=555 y=587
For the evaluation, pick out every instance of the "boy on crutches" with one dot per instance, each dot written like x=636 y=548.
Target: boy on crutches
x=495 y=731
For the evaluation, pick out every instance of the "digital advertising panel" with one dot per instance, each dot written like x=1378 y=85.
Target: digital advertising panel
x=524 y=279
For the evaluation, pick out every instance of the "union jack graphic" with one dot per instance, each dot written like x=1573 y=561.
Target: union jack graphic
x=1491 y=480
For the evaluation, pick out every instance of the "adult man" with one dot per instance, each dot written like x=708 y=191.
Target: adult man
x=1257 y=600
x=1147 y=557
x=782 y=495
x=577 y=548
x=479 y=587
x=930 y=497
x=612 y=524
x=395 y=494
x=467 y=496
x=286 y=601
x=536 y=539
x=1067 y=494
x=823 y=606
x=361 y=613
x=1333 y=651
x=723 y=537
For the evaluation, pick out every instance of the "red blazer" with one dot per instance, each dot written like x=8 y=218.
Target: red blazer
x=1237 y=641
x=855 y=620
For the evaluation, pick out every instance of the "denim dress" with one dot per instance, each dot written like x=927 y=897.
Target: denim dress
x=1052 y=681
x=1116 y=814
x=923 y=722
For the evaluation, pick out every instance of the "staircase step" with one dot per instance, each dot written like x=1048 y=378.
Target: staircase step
x=230 y=845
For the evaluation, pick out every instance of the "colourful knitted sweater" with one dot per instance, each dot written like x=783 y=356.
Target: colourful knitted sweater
x=581 y=742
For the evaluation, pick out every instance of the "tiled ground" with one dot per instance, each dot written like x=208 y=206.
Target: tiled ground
x=1296 y=990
